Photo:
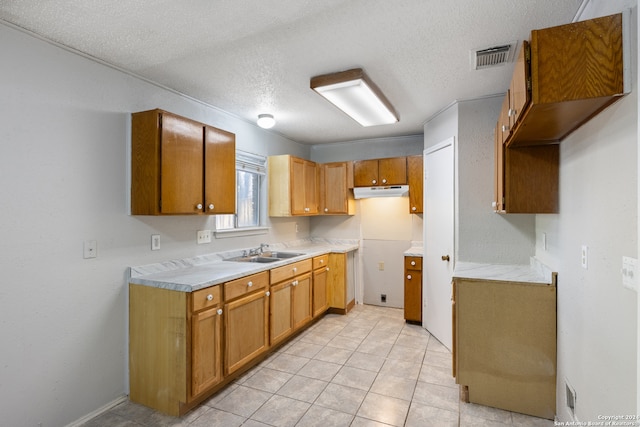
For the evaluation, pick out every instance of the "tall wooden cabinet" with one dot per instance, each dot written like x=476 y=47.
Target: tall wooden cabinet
x=390 y=171
x=293 y=186
x=179 y=166
x=340 y=286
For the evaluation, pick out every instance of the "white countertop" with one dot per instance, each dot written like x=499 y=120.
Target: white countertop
x=191 y=274
x=535 y=272
x=416 y=249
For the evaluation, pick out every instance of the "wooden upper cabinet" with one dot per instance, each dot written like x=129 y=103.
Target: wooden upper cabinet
x=416 y=179
x=335 y=197
x=293 y=186
x=391 y=171
x=576 y=72
x=173 y=169
x=220 y=171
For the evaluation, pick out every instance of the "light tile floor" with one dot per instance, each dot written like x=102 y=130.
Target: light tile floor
x=367 y=368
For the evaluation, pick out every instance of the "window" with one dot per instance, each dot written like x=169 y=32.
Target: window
x=250 y=178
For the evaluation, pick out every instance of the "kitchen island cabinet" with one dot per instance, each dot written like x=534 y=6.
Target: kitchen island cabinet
x=504 y=342
x=180 y=166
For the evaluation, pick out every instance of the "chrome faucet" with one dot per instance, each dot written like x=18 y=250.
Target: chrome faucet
x=263 y=246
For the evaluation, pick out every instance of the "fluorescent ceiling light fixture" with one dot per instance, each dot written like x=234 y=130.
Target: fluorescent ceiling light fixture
x=355 y=94
x=266 y=121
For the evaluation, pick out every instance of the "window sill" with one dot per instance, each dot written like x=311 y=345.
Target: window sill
x=238 y=232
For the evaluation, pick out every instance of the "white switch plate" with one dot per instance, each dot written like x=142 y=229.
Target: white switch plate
x=381 y=265
x=155 y=242
x=90 y=249
x=584 y=256
x=630 y=273
x=204 y=236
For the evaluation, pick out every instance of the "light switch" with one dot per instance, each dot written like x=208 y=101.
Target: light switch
x=381 y=265
x=155 y=242
x=584 y=256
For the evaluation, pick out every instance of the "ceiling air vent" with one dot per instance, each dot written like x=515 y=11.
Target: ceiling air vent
x=492 y=56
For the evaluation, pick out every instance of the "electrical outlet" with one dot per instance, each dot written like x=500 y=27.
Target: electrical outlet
x=155 y=242
x=296 y=227
x=90 y=249
x=383 y=297
x=630 y=273
x=204 y=236
x=584 y=256
x=381 y=265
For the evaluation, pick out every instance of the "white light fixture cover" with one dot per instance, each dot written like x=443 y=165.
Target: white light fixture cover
x=357 y=96
x=266 y=121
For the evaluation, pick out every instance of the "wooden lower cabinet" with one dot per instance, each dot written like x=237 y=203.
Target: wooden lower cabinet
x=413 y=289
x=290 y=307
x=320 y=301
x=281 y=321
x=174 y=346
x=340 y=283
x=504 y=344
x=246 y=320
x=301 y=301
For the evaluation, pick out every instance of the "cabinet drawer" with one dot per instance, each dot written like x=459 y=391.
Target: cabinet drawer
x=205 y=298
x=245 y=285
x=288 y=271
x=413 y=263
x=320 y=261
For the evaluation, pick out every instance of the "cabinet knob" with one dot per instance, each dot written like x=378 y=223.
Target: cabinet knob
x=373 y=181
x=505 y=128
x=326 y=209
x=306 y=209
x=209 y=297
x=199 y=206
x=414 y=209
x=210 y=206
x=321 y=261
x=219 y=311
x=267 y=293
x=294 y=283
x=327 y=268
x=295 y=269
x=413 y=263
x=384 y=181
x=249 y=284
x=409 y=276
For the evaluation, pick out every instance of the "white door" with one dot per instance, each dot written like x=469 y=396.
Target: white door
x=438 y=240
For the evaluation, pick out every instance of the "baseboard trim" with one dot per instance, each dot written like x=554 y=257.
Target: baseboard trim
x=99 y=411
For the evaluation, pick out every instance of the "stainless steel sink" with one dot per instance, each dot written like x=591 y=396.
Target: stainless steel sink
x=265 y=257
x=281 y=255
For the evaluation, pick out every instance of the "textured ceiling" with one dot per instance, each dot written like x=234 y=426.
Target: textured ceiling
x=251 y=57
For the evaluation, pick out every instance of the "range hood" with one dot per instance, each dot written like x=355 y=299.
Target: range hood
x=387 y=191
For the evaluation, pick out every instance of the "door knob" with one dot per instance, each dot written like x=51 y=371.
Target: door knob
x=445 y=257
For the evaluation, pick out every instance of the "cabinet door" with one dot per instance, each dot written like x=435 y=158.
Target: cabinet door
x=392 y=171
x=413 y=295
x=206 y=360
x=365 y=173
x=334 y=194
x=181 y=167
x=416 y=174
x=246 y=329
x=336 y=281
x=503 y=119
x=320 y=301
x=220 y=171
x=298 y=186
x=281 y=321
x=499 y=170
x=310 y=188
x=519 y=89
x=301 y=301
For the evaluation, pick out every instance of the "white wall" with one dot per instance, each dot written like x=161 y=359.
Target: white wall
x=480 y=234
x=597 y=317
x=64 y=162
